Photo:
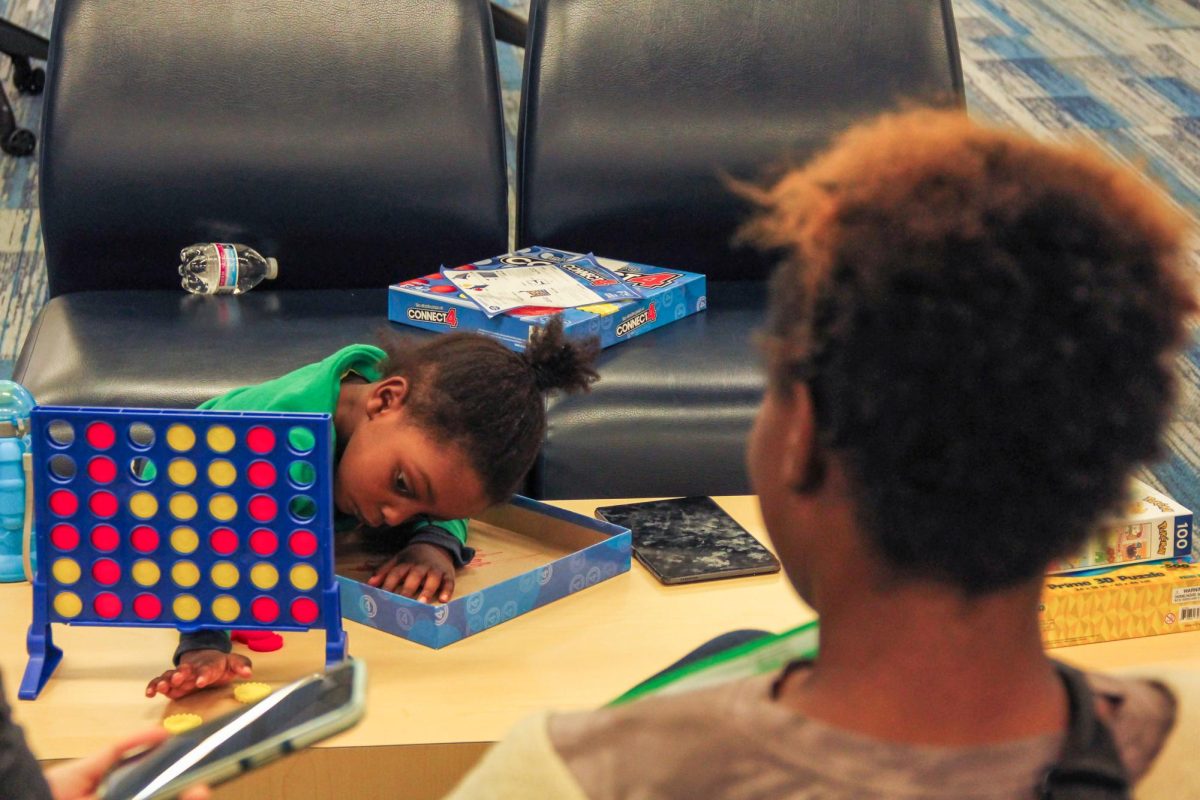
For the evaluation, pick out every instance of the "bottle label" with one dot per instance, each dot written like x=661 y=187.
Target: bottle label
x=227 y=266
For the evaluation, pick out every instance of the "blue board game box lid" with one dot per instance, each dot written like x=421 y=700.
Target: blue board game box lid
x=434 y=303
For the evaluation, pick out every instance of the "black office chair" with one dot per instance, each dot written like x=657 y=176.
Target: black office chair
x=359 y=142
x=20 y=45
x=633 y=110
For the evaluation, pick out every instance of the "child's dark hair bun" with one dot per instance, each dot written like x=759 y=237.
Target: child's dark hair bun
x=559 y=362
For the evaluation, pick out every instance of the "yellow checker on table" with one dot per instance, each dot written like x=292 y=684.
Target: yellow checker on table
x=251 y=692
x=178 y=723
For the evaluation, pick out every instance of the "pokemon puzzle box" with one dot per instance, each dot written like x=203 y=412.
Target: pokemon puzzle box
x=1150 y=527
x=612 y=299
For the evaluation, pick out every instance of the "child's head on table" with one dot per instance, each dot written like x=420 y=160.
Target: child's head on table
x=452 y=426
x=442 y=430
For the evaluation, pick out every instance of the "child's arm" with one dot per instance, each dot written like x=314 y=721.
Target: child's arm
x=425 y=568
x=202 y=640
x=448 y=534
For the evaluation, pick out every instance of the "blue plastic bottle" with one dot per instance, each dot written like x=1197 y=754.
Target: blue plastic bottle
x=15 y=405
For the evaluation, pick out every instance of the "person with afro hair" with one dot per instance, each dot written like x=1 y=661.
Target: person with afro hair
x=969 y=331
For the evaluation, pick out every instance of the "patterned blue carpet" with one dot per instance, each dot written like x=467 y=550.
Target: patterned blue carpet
x=1122 y=73
x=1125 y=75
x=22 y=272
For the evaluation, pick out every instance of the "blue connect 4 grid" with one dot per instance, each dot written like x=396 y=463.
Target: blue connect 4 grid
x=184 y=519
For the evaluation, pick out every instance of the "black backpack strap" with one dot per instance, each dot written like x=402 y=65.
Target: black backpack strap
x=1089 y=767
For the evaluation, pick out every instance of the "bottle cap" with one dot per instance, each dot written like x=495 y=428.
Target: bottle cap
x=15 y=404
x=272 y=269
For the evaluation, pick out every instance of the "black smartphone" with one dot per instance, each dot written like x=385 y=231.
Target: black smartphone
x=288 y=719
x=690 y=539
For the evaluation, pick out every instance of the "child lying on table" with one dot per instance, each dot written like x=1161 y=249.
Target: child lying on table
x=426 y=436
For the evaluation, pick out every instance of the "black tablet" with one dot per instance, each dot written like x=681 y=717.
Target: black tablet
x=288 y=719
x=690 y=539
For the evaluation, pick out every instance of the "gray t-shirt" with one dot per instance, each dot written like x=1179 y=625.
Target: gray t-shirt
x=734 y=740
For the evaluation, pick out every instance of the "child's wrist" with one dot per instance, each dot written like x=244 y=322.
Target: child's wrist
x=203 y=640
x=459 y=554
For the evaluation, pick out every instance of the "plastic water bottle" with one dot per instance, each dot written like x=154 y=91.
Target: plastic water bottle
x=15 y=405
x=219 y=268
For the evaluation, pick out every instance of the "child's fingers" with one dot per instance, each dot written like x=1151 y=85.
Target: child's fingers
x=432 y=582
x=176 y=691
x=382 y=572
x=394 y=576
x=414 y=579
x=447 y=589
x=239 y=665
x=160 y=684
x=210 y=672
x=181 y=673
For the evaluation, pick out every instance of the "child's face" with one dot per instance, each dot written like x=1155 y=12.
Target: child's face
x=391 y=470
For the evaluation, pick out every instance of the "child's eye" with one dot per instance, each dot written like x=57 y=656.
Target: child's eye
x=402 y=484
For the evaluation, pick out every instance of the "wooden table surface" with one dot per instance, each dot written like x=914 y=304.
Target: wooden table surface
x=431 y=713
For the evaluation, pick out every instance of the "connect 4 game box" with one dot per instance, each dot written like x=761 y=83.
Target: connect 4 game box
x=527 y=554
x=666 y=295
x=183 y=519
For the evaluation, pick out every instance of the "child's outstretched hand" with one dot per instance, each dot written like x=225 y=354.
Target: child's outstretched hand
x=422 y=571
x=198 y=669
